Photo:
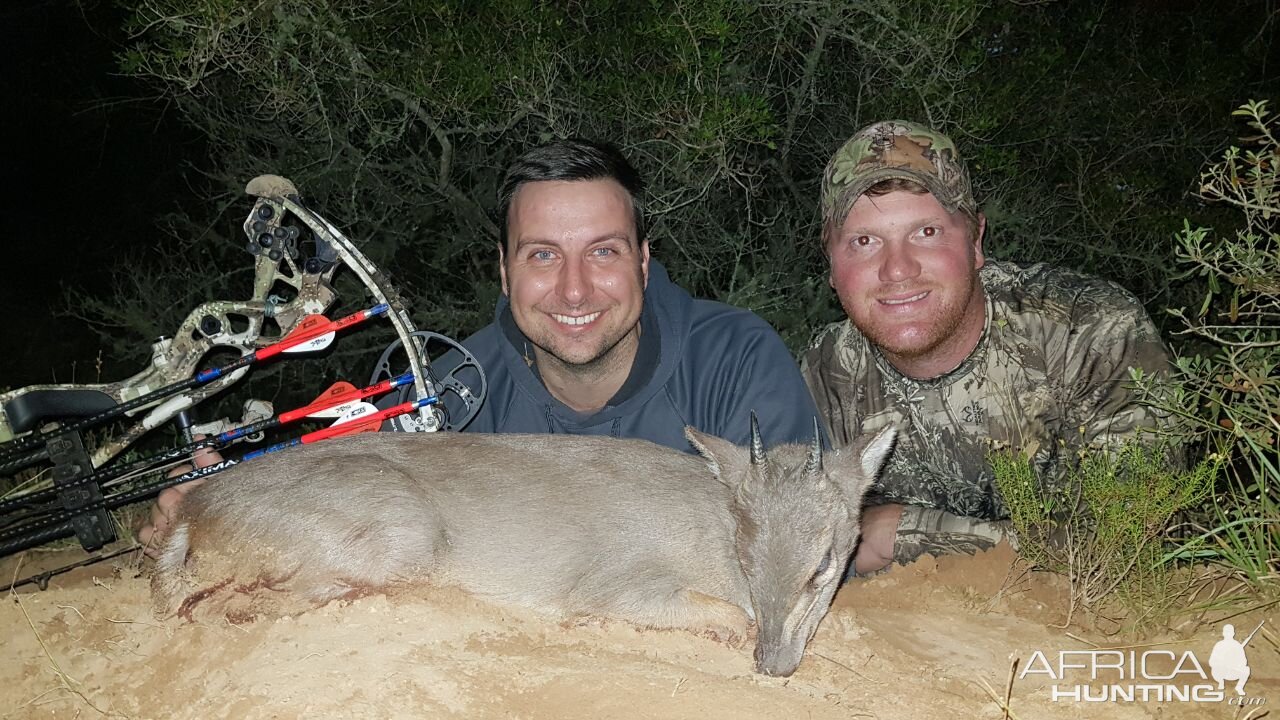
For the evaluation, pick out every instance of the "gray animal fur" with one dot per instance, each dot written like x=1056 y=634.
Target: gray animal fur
x=570 y=526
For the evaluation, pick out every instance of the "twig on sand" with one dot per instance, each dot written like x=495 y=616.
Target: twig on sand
x=676 y=689
x=73 y=609
x=68 y=682
x=166 y=629
x=836 y=662
x=148 y=623
x=1270 y=637
x=1138 y=646
x=35 y=701
x=1003 y=704
x=1252 y=608
x=1079 y=639
x=1012 y=583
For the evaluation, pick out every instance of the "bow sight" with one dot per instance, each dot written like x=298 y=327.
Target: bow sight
x=297 y=254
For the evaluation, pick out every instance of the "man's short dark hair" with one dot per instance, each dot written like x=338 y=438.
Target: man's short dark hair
x=572 y=159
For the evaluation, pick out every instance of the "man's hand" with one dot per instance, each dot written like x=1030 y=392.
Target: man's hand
x=166 y=505
x=879 y=531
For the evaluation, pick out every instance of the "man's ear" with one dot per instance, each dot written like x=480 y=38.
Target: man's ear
x=978 y=259
x=502 y=270
x=644 y=262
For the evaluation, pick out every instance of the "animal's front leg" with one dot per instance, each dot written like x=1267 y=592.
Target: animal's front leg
x=670 y=607
x=712 y=617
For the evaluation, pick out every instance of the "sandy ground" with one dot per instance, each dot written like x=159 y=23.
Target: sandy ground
x=917 y=642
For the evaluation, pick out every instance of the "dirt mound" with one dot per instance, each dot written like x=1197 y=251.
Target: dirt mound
x=916 y=642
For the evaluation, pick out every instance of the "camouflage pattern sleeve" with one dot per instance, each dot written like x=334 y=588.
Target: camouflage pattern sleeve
x=827 y=381
x=930 y=531
x=1112 y=334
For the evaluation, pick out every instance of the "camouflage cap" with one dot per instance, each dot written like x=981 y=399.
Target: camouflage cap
x=895 y=149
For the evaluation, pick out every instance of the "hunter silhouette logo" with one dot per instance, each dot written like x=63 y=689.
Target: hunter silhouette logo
x=1228 y=661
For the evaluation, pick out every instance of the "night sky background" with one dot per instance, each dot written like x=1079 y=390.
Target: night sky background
x=88 y=166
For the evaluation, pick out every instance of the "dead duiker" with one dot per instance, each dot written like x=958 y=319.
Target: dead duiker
x=568 y=525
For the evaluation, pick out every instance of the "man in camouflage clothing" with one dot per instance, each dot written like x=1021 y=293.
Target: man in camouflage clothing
x=959 y=353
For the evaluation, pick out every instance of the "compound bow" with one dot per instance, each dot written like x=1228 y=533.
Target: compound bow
x=43 y=424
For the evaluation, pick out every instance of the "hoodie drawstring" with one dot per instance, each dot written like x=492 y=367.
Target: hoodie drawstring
x=615 y=428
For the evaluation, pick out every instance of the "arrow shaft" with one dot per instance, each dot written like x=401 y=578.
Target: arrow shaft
x=18 y=446
x=360 y=394
x=217 y=443
x=59 y=525
x=345 y=428
x=342 y=323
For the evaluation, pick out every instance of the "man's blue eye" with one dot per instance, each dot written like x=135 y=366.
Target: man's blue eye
x=542 y=255
x=603 y=251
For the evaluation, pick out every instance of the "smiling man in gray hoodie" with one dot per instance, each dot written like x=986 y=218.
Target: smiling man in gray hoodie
x=591 y=337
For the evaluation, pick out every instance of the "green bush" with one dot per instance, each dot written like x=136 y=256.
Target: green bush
x=1226 y=397
x=1104 y=526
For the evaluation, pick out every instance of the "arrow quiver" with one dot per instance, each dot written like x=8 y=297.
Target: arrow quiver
x=297 y=254
x=92 y=524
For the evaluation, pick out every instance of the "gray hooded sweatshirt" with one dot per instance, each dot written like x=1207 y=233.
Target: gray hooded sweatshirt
x=700 y=363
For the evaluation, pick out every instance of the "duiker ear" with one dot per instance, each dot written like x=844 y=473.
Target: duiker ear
x=861 y=462
x=718 y=452
x=875 y=451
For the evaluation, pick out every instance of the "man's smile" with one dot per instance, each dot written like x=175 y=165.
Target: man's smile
x=901 y=300
x=575 y=319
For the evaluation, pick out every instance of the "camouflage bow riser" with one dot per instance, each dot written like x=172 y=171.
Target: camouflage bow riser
x=289 y=296
x=211 y=326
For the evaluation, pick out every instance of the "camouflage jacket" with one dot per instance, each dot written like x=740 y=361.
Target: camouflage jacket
x=1048 y=376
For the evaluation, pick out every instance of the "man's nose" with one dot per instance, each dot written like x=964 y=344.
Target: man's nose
x=899 y=262
x=575 y=282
